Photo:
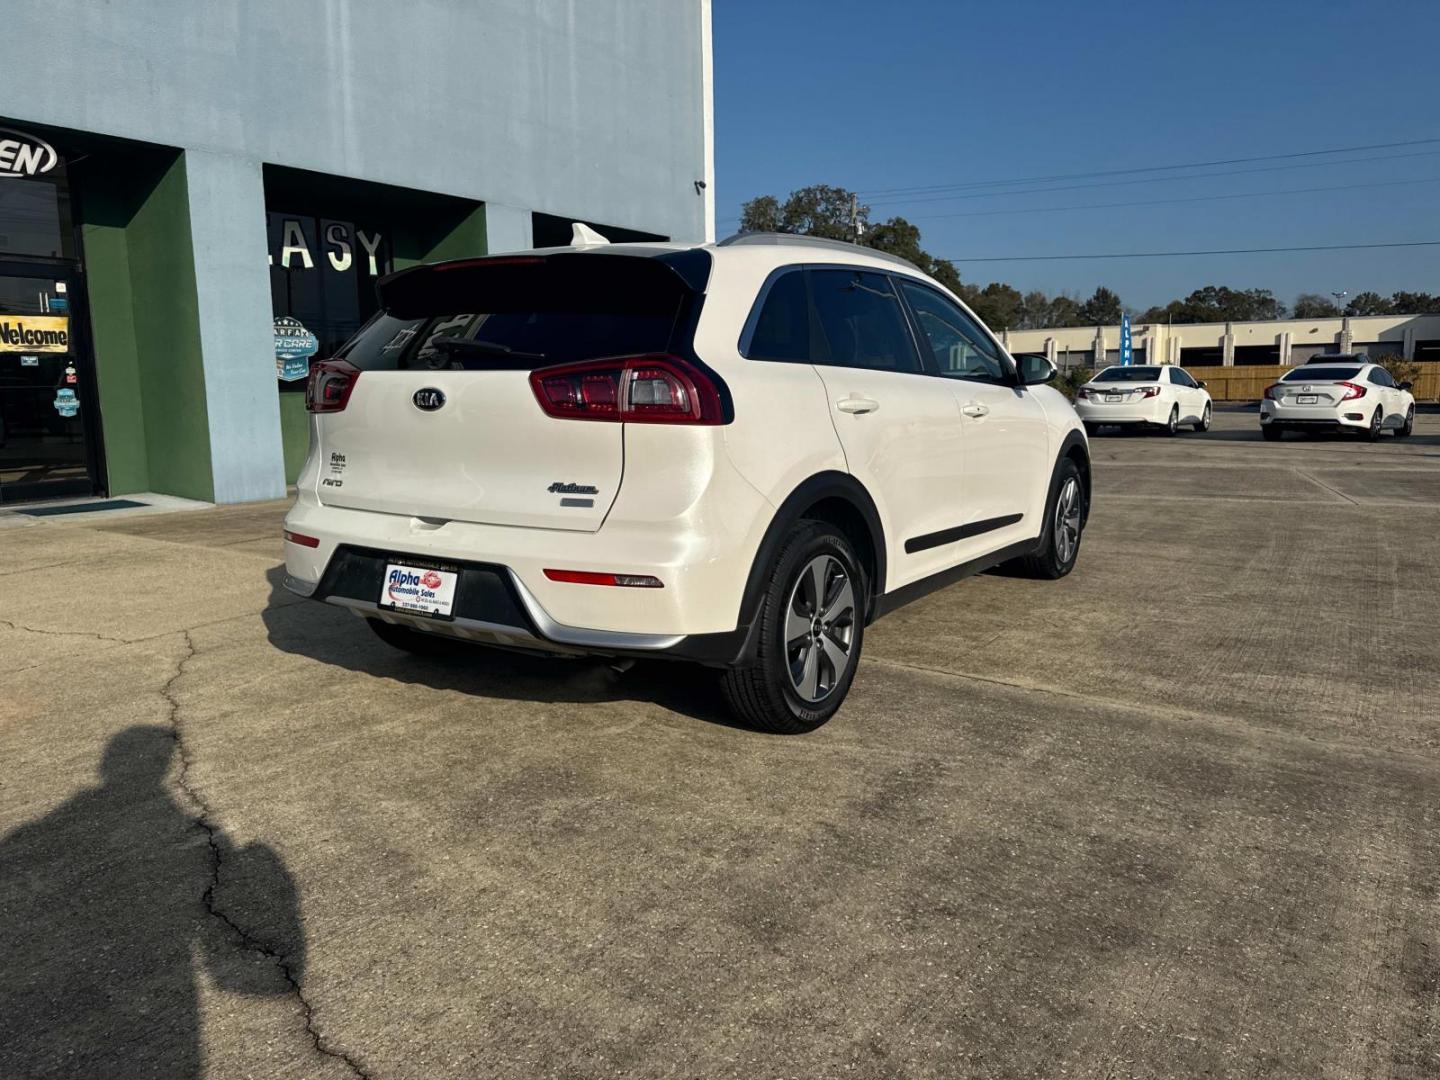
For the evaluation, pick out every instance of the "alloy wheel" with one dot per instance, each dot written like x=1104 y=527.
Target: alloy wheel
x=819 y=628
x=1067 y=521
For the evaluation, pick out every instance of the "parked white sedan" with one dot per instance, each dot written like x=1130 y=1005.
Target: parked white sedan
x=1337 y=392
x=1161 y=396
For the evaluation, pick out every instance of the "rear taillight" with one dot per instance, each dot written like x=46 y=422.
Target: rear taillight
x=590 y=577
x=1083 y=392
x=1147 y=391
x=329 y=386
x=1270 y=391
x=634 y=390
x=1352 y=391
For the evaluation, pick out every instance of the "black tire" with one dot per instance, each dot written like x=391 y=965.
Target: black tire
x=1203 y=424
x=766 y=692
x=1173 y=424
x=1272 y=432
x=1377 y=425
x=418 y=642
x=1050 y=560
x=1406 y=428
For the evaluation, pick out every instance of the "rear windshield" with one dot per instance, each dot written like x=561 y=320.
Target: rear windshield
x=1128 y=374
x=523 y=314
x=1321 y=374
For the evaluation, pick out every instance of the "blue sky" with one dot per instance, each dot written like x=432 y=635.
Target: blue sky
x=873 y=96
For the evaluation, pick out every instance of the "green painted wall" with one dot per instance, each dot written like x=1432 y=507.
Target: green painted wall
x=145 y=322
x=295 y=433
x=167 y=338
x=112 y=328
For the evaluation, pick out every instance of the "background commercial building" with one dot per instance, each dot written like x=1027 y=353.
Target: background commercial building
x=1284 y=341
x=197 y=198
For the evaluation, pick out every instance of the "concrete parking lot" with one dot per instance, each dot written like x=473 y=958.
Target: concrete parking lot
x=1176 y=815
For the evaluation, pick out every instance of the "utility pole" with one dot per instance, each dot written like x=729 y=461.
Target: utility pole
x=856 y=229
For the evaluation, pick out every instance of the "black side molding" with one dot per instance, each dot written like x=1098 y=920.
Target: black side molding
x=925 y=586
x=960 y=532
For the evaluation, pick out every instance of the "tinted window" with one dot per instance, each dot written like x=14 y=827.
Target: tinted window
x=862 y=322
x=961 y=349
x=1180 y=378
x=1128 y=374
x=1380 y=377
x=1321 y=374
x=782 y=331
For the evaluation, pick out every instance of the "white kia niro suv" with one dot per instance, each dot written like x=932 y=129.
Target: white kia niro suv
x=735 y=454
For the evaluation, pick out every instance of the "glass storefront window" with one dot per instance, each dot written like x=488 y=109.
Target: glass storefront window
x=35 y=217
x=322 y=286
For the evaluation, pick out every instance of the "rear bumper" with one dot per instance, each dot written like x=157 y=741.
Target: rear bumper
x=493 y=607
x=1150 y=411
x=1328 y=416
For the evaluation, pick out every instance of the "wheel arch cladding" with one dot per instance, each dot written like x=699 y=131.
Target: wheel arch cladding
x=840 y=500
x=1073 y=449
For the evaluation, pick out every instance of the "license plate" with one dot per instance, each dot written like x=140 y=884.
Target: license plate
x=1307 y=399
x=1112 y=397
x=418 y=589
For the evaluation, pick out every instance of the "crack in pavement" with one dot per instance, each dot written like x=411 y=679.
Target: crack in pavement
x=66 y=633
x=204 y=823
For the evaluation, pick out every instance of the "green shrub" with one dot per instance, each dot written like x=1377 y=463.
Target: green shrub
x=1067 y=382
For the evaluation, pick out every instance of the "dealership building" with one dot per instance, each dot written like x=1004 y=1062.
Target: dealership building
x=196 y=198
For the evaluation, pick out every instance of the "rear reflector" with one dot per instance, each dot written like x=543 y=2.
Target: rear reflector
x=587 y=577
x=302 y=539
x=632 y=390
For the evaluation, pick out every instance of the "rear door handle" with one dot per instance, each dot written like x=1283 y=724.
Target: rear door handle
x=857 y=404
x=974 y=409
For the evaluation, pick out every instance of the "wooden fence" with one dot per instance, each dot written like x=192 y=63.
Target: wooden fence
x=1249 y=383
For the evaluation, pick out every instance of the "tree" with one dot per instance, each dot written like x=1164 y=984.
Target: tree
x=1415 y=303
x=1369 y=303
x=998 y=305
x=1219 y=303
x=1102 y=309
x=1315 y=306
x=825 y=211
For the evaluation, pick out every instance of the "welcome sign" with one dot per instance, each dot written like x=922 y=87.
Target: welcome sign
x=35 y=333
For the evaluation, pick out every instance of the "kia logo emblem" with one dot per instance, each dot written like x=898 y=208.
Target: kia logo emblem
x=25 y=155
x=428 y=398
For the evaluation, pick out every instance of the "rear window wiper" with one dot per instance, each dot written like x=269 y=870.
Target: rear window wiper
x=484 y=348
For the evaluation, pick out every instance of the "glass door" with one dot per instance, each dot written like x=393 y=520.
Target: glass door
x=49 y=443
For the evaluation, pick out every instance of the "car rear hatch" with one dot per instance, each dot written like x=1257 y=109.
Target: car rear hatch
x=436 y=413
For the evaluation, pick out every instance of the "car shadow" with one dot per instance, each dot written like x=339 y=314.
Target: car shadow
x=335 y=636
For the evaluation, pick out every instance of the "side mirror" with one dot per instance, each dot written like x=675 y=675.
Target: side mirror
x=1034 y=369
x=1201 y=383
x=1406 y=385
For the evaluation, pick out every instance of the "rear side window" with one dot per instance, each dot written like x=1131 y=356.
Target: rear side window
x=1180 y=378
x=782 y=329
x=861 y=319
x=1380 y=377
x=522 y=312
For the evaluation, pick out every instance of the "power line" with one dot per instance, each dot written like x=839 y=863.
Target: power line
x=1146 y=180
x=1166 y=202
x=1172 y=254
x=1154 y=168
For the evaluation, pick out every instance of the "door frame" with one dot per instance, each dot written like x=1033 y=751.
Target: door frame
x=83 y=355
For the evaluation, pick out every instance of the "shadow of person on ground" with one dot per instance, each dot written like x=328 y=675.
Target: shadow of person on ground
x=333 y=635
x=108 y=911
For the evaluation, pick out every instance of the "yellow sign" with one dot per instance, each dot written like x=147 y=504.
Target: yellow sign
x=35 y=333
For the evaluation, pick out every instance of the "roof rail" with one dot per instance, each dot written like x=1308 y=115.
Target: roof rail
x=781 y=239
